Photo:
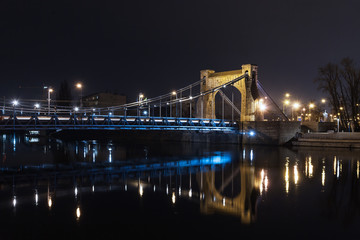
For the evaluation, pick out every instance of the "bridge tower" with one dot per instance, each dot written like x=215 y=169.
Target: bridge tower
x=246 y=86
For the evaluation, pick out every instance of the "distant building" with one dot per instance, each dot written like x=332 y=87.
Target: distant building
x=102 y=100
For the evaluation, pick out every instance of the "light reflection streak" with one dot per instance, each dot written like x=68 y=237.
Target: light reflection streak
x=78 y=213
x=323 y=176
x=263 y=181
x=50 y=201
x=287 y=175
x=110 y=154
x=141 y=190
x=309 y=167
x=36 y=197
x=296 y=174
x=173 y=198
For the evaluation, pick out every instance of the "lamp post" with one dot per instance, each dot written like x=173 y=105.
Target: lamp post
x=36 y=107
x=140 y=98
x=15 y=103
x=50 y=90
x=285 y=103
x=311 y=105
x=80 y=87
x=295 y=106
x=173 y=93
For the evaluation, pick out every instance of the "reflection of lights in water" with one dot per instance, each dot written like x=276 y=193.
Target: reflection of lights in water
x=251 y=155
x=141 y=190
x=309 y=167
x=223 y=201
x=125 y=187
x=167 y=189
x=49 y=202
x=36 y=197
x=34 y=140
x=76 y=191
x=14 y=201
x=173 y=198
x=78 y=213
x=85 y=151
x=264 y=181
x=287 y=175
x=94 y=155
x=334 y=165
x=323 y=176
x=244 y=153
x=154 y=188
x=14 y=144
x=179 y=191
x=110 y=154
x=296 y=174
x=357 y=169
x=190 y=192
x=93 y=188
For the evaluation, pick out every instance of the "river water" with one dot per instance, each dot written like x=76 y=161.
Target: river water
x=85 y=189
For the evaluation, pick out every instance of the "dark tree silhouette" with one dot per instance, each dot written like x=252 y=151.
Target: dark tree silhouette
x=342 y=84
x=64 y=96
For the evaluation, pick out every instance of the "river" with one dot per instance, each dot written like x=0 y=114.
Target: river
x=51 y=188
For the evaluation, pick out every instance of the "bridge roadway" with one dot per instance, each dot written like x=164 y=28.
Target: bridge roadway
x=112 y=122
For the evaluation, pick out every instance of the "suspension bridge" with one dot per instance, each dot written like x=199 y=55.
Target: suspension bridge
x=219 y=101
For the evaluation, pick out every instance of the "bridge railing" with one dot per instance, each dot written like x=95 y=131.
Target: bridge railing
x=110 y=121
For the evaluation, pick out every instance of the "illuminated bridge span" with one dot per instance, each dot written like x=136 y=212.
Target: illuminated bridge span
x=112 y=122
x=216 y=102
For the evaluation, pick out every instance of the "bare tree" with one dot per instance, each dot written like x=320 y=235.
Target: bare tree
x=342 y=84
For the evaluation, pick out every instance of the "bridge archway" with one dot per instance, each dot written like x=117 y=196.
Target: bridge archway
x=246 y=86
x=223 y=110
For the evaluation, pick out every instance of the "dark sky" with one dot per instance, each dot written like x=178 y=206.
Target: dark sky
x=156 y=46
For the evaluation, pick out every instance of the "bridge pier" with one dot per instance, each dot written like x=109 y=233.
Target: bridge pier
x=269 y=133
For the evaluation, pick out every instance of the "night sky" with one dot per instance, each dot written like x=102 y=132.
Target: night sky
x=156 y=46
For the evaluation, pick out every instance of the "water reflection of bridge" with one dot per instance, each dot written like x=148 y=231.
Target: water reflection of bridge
x=196 y=179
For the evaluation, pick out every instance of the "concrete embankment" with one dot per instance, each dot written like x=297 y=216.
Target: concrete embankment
x=340 y=140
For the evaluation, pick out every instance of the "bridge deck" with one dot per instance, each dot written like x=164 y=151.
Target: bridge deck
x=55 y=122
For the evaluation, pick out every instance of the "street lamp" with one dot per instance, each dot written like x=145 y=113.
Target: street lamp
x=36 y=106
x=311 y=105
x=285 y=103
x=50 y=90
x=295 y=106
x=140 y=98
x=80 y=87
x=15 y=102
x=173 y=93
